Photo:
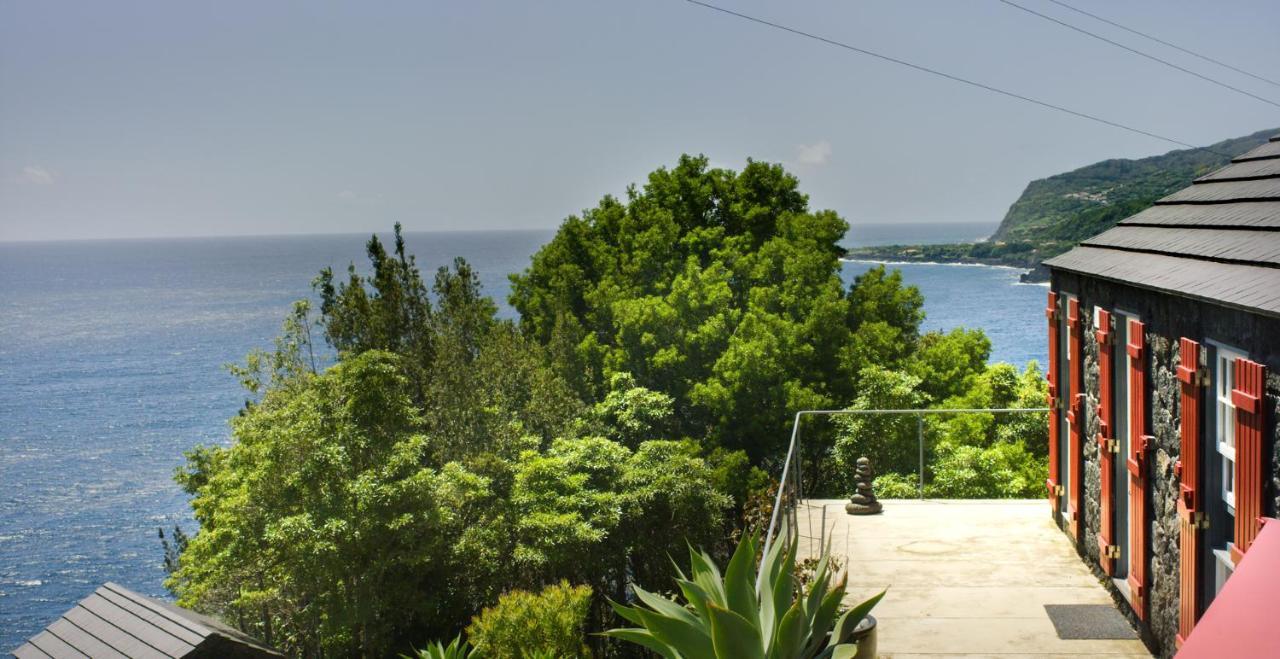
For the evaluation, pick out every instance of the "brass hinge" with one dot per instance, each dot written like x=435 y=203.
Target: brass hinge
x=1199 y=520
x=1111 y=445
x=1057 y=490
x=1112 y=552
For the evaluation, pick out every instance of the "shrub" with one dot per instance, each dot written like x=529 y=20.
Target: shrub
x=970 y=472
x=523 y=625
x=897 y=486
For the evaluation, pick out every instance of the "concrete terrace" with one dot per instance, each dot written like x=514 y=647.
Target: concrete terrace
x=966 y=578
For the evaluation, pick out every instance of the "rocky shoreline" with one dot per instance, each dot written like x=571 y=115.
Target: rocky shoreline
x=953 y=254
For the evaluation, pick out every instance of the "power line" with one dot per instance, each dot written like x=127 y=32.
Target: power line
x=948 y=76
x=1135 y=51
x=1166 y=43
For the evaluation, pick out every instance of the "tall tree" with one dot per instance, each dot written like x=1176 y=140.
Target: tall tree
x=722 y=290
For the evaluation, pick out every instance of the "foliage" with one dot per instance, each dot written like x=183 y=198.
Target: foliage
x=720 y=290
x=1000 y=471
x=889 y=439
x=948 y=364
x=173 y=550
x=896 y=486
x=457 y=649
x=731 y=616
x=387 y=486
x=315 y=470
x=477 y=381
x=631 y=414
x=524 y=624
x=434 y=466
x=970 y=455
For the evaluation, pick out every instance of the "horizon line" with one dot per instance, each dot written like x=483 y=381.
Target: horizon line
x=29 y=241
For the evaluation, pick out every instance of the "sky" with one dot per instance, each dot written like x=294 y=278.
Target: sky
x=152 y=119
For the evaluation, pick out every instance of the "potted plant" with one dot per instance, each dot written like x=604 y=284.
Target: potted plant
x=750 y=614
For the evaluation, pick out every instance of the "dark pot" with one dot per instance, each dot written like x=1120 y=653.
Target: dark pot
x=865 y=636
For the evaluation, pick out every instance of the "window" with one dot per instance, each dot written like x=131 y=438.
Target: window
x=1225 y=428
x=1223 y=438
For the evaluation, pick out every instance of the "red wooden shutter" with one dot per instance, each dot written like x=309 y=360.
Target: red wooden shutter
x=1108 y=551
x=1075 y=414
x=1051 y=312
x=1136 y=462
x=1190 y=499
x=1247 y=396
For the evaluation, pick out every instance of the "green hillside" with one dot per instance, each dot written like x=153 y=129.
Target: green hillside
x=1054 y=214
x=1078 y=204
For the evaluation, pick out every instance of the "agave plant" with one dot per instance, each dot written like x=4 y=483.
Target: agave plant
x=458 y=649
x=740 y=616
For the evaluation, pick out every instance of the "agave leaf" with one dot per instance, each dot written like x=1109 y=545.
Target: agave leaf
x=643 y=637
x=692 y=641
x=790 y=637
x=844 y=651
x=665 y=606
x=849 y=621
x=627 y=613
x=707 y=575
x=781 y=588
x=823 y=616
x=734 y=636
x=739 y=578
x=696 y=596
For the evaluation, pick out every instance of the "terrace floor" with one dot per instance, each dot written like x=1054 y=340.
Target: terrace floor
x=965 y=578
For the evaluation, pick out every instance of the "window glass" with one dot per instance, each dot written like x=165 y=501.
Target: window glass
x=1225 y=428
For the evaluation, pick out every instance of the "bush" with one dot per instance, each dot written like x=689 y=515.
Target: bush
x=897 y=486
x=1000 y=471
x=524 y=625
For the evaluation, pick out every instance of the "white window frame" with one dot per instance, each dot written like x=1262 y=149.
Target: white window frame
x=1224 y=359
x=1069 y=398
x=1222 y=569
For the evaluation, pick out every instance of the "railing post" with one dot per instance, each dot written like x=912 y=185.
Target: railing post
x=920 y=441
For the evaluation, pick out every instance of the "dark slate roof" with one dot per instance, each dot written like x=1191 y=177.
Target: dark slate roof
x=117 y=622
x=1217 y=240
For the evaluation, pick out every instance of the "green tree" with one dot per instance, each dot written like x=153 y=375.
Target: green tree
x=720 y=289
x=889 y=440
x=288 y=512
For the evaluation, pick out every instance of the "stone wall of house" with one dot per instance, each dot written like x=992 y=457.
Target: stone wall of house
x=1166 y=319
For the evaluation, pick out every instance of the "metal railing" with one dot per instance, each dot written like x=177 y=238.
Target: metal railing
x=791 y=487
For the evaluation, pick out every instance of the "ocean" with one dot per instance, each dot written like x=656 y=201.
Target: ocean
x=111 y=366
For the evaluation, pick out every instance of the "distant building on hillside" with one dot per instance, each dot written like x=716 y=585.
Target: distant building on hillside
x=1164 y=355
x=117 y=622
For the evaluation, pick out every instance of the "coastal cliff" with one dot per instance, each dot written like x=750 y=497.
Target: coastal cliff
x=1054 y=214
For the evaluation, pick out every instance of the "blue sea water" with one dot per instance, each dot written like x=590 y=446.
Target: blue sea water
x=111 y=356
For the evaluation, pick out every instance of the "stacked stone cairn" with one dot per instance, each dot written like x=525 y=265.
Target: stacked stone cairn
x=864 y=500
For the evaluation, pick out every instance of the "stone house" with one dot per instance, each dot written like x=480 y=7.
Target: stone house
x=1164 y=372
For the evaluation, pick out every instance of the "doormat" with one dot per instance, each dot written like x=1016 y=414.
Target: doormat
x=1089 y=621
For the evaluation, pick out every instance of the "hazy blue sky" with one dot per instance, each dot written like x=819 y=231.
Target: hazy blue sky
x=123 y=119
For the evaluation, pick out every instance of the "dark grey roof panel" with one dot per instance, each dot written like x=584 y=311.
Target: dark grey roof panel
x=1247 y=169
x=44 y=645
x=118 y=639
x=1219 y=244
x=162 y=623
x=1268 y=188
x=83 y=640
x=1228 y=284
x=165 y=642
x=116 y=622
x=1260 y=214
x=1269 y=150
